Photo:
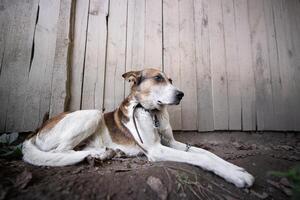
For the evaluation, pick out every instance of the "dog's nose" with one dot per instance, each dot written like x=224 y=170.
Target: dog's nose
x=179 y=94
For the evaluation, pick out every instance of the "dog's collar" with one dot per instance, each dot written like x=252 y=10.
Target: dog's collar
x=154 y=116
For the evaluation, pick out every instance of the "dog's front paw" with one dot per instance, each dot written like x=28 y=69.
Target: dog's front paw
x=240 y=177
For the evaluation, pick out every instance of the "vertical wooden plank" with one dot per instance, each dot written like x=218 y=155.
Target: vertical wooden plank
x=93 y=83
x=116 y=51
x=187 y=65
x=153 y=34
x=232 y=66
x=292 y=12
x=260 y=62
x=204 y=87
x=282 y=34
x=135 y=45
x=59 y=94
x=247 y=82
x=38 y=91
x=20 y=17
x=218 y=66
x=78 y=53
x=3 y=29
x=171 y=54
x=5 y=15
x=278 y=118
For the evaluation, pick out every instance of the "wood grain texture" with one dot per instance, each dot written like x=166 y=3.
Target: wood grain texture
x=135 y=42
x=188 y=65
x=232 y=66
x=293 y=18
x=218 y=65
x=247 y=80
x=278 y=103
x=19 y=18
x=171 y=54
x=153 y=34
x=237 y=61
x=94 y=69
x=60 y=73
x=204 y=82
x=38 y=91
x=78 y=53
x=116 y=52
x=286 y=77
x=260 y=62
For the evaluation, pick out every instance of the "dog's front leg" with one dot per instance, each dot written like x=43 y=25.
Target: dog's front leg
x=237 y=176
x=157 y=152
x=168 y=140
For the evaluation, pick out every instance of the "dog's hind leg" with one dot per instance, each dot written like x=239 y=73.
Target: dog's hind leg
x=55 y=147
x=74 y=129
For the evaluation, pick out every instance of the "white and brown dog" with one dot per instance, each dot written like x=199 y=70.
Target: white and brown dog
x=139 y=126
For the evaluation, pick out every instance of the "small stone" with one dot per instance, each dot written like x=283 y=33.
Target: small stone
x=284 y=181
x=246 y=190
x=157 y=186
x=91 y=161
x=209 y=186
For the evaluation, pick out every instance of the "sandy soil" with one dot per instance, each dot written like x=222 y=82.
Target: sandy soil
x=136 y=178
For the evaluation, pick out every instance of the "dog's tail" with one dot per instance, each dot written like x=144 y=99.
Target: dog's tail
x=33 y=155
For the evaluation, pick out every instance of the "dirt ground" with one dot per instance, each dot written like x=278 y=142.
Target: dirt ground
x=136 y=178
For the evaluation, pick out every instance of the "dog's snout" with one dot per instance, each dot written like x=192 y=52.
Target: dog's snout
x=179 y=94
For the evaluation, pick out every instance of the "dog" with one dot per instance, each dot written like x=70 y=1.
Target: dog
x=140 y=125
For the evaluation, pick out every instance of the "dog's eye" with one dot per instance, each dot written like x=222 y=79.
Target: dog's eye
x=158 y=78
x=170 y=80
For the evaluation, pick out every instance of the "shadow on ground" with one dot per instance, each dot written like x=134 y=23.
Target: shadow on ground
x=136 y=178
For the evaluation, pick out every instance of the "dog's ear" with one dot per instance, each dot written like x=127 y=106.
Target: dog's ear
x=133 y=76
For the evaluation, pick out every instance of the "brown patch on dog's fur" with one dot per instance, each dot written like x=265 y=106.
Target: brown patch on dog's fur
x=122 y=110
x=118 y=132
x=48 y=125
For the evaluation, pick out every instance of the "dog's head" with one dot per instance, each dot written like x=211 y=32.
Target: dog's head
x=153 y=89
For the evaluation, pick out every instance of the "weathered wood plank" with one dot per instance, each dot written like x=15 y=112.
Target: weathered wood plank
x=116 y=51
x=4 y=88
x=247 y=81
x=204 y=87
x=135 y=45
x=153 y=34
x=232 y=66
x=282 y=35
x=60 y=93
x=94 y=76
x=38 y=91
x=17 y=41
x=278 y=118
x=187 y=65
x=78 y=53
x=293 y=8
x=171 y=54
x=260 y=62
x=218 y=65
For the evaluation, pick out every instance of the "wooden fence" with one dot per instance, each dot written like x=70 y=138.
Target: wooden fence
x=237 y=61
